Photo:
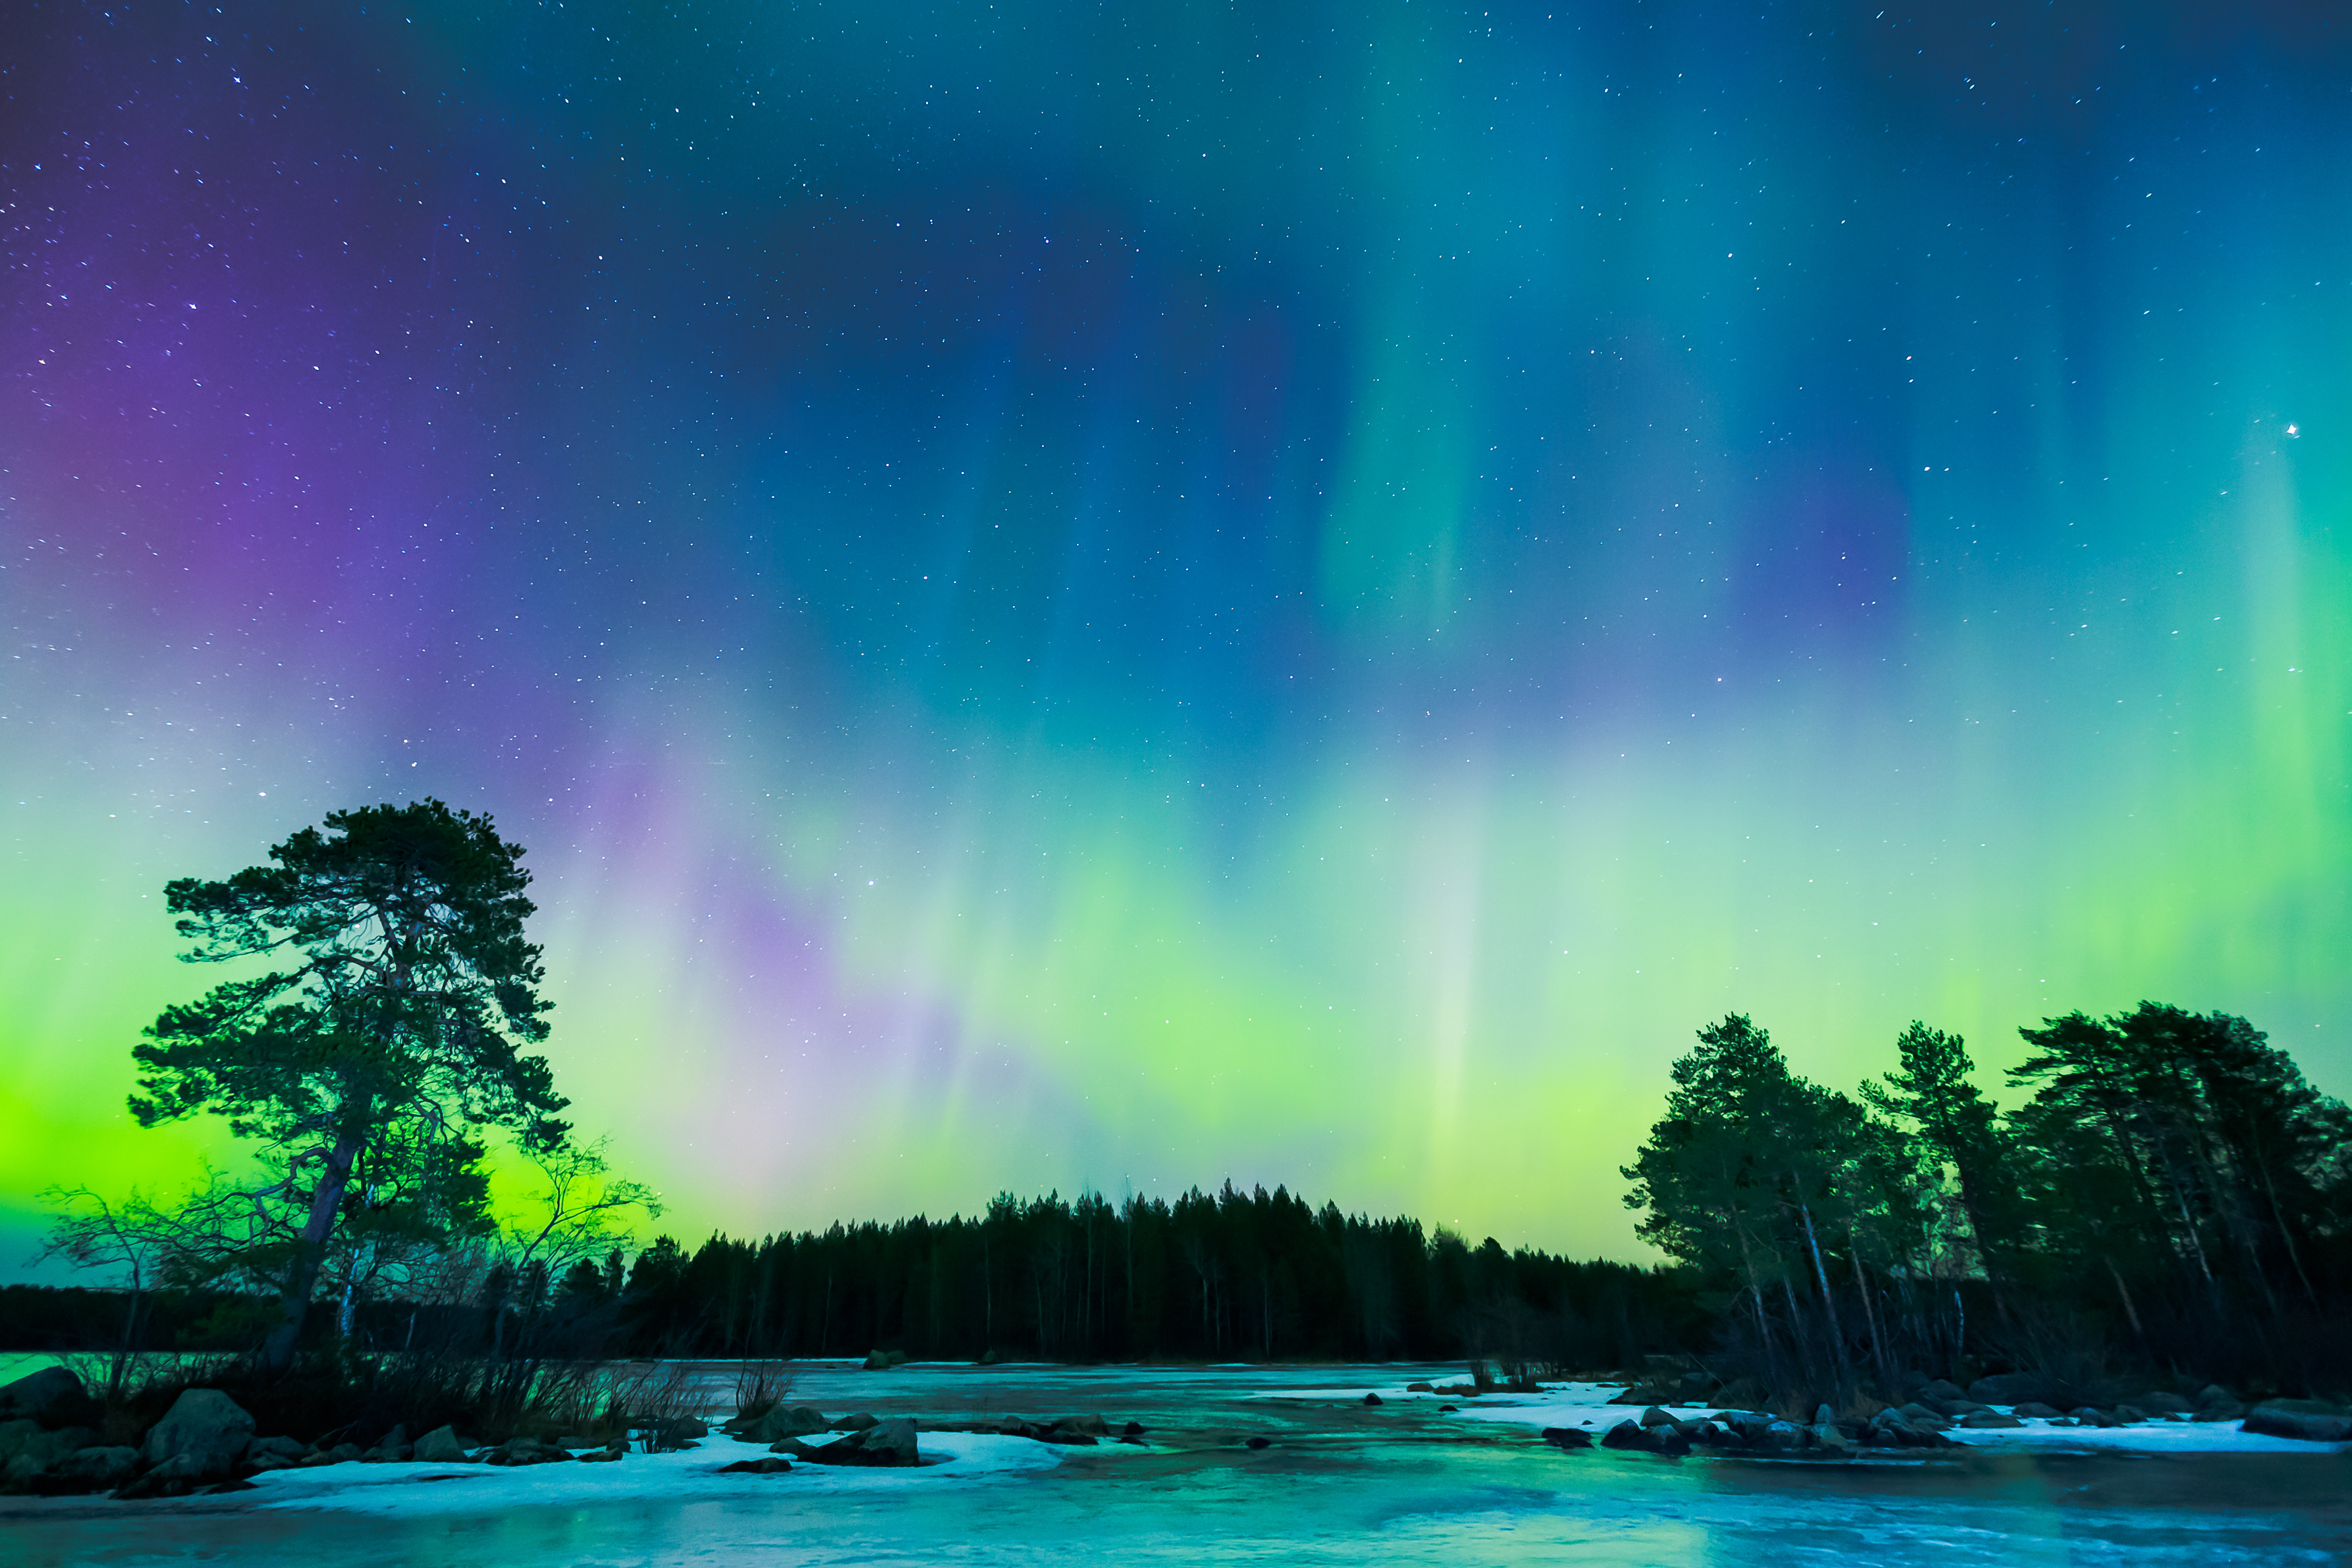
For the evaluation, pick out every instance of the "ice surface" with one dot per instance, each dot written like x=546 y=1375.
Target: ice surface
x=1339 y=1483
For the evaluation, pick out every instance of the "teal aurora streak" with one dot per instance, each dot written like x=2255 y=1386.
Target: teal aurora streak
x=1143 y=594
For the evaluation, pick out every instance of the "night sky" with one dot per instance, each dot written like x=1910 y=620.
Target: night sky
x=1139 y=594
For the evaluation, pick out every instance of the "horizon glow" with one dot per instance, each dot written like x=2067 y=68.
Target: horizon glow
x=1072 y=598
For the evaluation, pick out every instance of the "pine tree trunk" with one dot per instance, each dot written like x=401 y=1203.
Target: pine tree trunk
x=310 y=1251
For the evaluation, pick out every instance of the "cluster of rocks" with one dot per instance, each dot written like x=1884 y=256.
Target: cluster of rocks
x=1936 y=1407
x=865 y=1439
x=206 y=1443
x=1081 y=1431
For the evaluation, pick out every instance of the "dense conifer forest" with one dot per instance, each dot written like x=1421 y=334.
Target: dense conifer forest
x=2170 y=1193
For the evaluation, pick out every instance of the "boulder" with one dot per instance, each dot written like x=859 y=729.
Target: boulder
x=797 y=1422
x=1823 y=1415
x=13 y=1435
x=890 y=1442
x=1133 y=1429
x=2011 y=1388
x=1640 y=1394
x=526 y=1451
x=1979 y=1419
x=1628 y=1434
x=96 y=1469
x=609 y=1454
x=52 y=1395
x=1938 y=1389
x=858 y=1422
x=1828 y=1435
x=2091 y=1416
x=884 y=1360
x=2131 y=1416
x=341 y=1454
x=772 y=1465
x=2306 y=1419
x=287 y=1449
x=2036 y=1410
x=1653 y=1417
x=1421 y=1388
x=1567 y=1438
x=392 y=1450
x=175 y=1477
x=1254 y=1444
x=1374 y=1399
x=441 y=1446
x=203 y=1422
x=1922 y=1416
x=2168 y=1405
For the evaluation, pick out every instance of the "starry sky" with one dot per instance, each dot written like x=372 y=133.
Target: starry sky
x=1139 y=594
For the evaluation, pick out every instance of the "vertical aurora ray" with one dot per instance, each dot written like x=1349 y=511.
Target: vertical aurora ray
x=1072 y=597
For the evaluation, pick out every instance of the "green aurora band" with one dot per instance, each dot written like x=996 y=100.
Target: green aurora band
x=1065 y=598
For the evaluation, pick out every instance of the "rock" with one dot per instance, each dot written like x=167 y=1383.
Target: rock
x=525 y=1451
x=1133 y=1429
x=175 y=1477
x=1929 y=1393
x=1653 y=1417
x=1255 y=1443
x=2089 y=1416
x=1780 y=1434
x=771 y=1465
x=1644 y=1394
x=1089 y=1425
x=890 y=1442
x=287 y=1449
x=1421 y=1388
x=1979 y=1419
x=1567 y=1438
x=341 y=1454
x=1921 y=1415
x=2305 y=1419
x=2037 y=1411
x=1449 y=1409
x=2164 y=1404
x=1823 y=1415
x=856 y=1423
x=441 y=1446
x=894 y=1440
x=53 y=1394
x=2131 y=1416
x=38 y=1451
x=203 y=1422
x=1374 y=1399
x=1827 y=1435
x=612 y=1453
x=2010 y=1388
x=1705 y=1434
x=13 y=1435
x=92 y=1469
x=2225 y=1410
x=797 y=1422
x=884 y=1360
x=392 y=1450
x=1627 y=1434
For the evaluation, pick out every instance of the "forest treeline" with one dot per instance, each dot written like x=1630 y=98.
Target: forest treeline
x=2168 y=1192
x=1229 y=1275
x=2171 y=1193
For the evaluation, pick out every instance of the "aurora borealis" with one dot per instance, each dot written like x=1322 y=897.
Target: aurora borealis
x=1138 y=595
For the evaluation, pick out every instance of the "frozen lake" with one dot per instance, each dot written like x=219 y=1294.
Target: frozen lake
x=1339 y=1482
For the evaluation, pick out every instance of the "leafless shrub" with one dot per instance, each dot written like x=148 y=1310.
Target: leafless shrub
x=760 y=1386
